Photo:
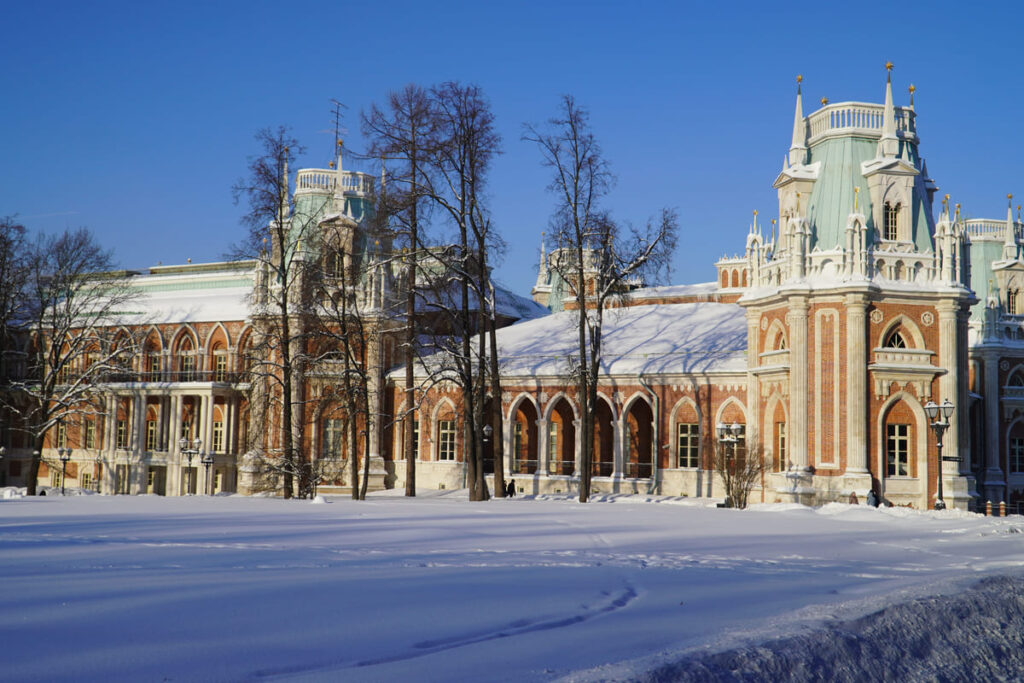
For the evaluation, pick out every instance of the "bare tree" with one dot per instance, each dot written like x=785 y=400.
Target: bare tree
x=72 y=304
x=280 y=299
x=404 y=133
x=466 y=144
x=595 y=257
x=740 y=468
x=351 y=315
x=14 y=273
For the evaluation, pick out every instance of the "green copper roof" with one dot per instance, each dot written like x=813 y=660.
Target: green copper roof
x=982 y=254
x=832 y=196
x=831 y=200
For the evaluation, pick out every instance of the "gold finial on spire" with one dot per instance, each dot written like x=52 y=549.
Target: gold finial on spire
x=911 y=89
x=799 y=78
x=958 y=212
x=1010 y=197
x=341 y=143
x=755 y=212
x=888 y=66
x=856 y=197
x=330 y=164
x=824 y=101
x=945 y=204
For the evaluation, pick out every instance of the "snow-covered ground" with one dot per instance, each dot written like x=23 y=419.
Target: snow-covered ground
x=436 y=588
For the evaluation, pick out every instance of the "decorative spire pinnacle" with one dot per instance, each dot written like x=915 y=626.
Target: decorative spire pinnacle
x=856 y=198
x=773 y=231
x=824 y=101
x=283 y=211
x=911 y=89
x=753 y=228
x=798 y=150
x=888 y=145
x=945 y=205
x=957 y=213
x=341 y=146
x=1010 y=238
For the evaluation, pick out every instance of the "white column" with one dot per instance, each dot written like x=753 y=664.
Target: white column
x=856 y=384
x=138 y=423
x=994 y=482
x=577 y=447
x=543 y=442
x=797 y=318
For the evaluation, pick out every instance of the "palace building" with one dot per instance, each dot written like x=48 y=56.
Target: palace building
x=821 y=345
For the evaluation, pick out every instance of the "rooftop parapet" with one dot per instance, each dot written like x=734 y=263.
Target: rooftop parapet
x=858 y=118
x=989 y=229
x=310 y=180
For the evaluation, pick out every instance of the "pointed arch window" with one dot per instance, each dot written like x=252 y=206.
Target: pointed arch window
x=1012 y=303
x=895 y=341
x=891 y=230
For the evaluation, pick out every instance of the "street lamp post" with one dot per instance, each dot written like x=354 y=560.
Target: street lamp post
x=65 y=457
x=207 y=459
x=184 y=446
x=939 y=419
x=488 y=432
x=729 y=434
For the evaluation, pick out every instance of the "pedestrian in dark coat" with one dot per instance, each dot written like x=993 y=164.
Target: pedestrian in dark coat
x=510 y=490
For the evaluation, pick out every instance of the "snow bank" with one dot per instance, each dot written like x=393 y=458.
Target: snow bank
x=436 y=588
x=976 y=635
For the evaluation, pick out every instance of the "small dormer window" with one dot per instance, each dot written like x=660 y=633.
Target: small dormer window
x=891 y=230
x=895 y=341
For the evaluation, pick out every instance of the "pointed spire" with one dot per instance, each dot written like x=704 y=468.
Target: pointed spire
x=542 y=268
x=797 y=149
x=1010 y=237
x=284 y=184
x=888 y=145
x=911 y=89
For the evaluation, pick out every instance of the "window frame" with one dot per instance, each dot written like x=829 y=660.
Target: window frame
x=446 y=440
x=691 y=460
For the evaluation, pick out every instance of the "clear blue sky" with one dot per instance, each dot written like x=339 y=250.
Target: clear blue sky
x=135 y=119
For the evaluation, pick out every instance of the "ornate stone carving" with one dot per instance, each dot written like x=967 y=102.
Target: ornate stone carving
x=876 y=316
x=927 y=318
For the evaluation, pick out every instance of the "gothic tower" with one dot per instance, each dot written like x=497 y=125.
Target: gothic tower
x=857 y=313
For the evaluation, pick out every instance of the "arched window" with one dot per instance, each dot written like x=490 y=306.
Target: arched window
x=1016 y=380
x=1011 y=301
x=892 y=222
x=895 y=341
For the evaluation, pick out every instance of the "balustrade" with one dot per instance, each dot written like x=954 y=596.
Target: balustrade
x=326 y=180
x=857 y=116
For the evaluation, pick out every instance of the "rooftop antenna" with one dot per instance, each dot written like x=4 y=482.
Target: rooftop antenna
x=339 y=130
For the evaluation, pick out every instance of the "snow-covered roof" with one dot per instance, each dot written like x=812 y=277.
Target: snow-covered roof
x=510 y=304
x=203 y=293
x=667 y=338
x=672 y=291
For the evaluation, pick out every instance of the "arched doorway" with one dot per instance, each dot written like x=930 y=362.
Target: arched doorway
x=637 y=450
x=523 y=452
x=604 y=450
x=561 y=439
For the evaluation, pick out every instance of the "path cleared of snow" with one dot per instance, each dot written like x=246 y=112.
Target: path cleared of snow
x=437 y=588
